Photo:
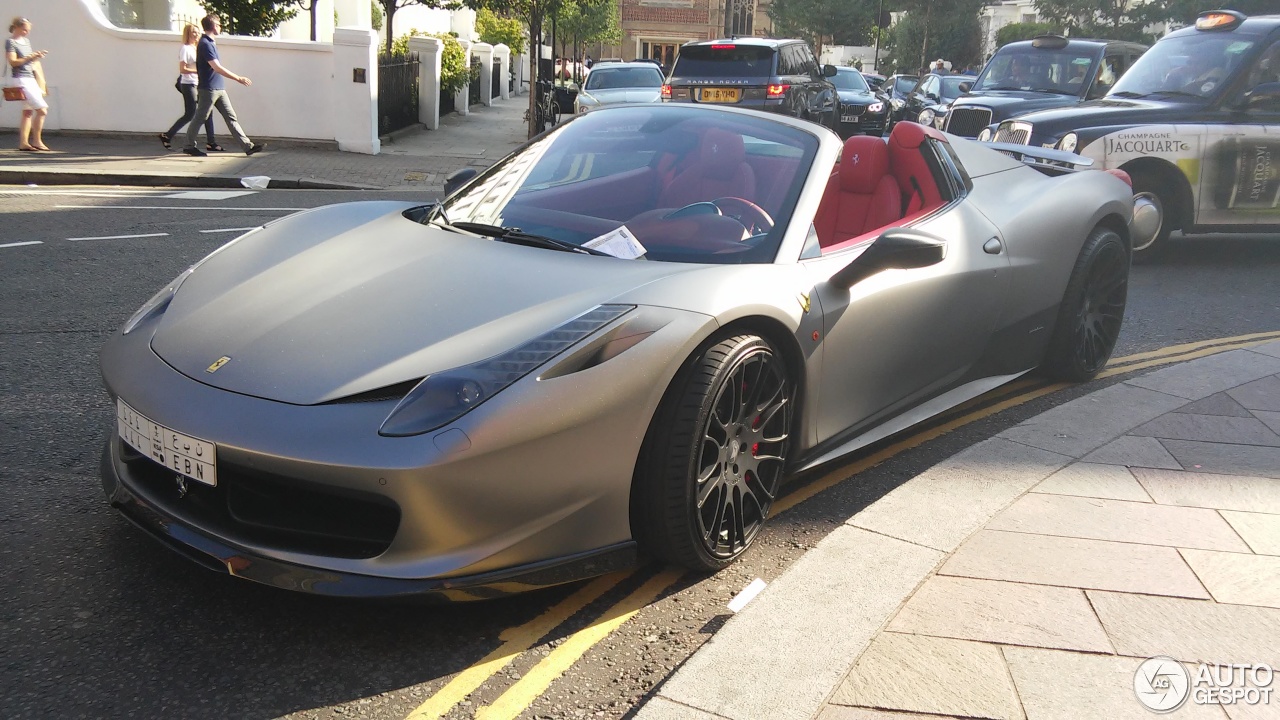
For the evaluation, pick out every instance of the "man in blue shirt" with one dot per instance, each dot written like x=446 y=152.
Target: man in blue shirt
x=212 y=90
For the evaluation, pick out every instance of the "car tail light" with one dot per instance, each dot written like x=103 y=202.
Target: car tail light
x=774 y=92
x=666 y=92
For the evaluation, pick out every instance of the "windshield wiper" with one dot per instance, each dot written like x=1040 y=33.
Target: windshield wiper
x=1178 y=92
x=1127 y=94
x=516 y=236
x=1054 y=91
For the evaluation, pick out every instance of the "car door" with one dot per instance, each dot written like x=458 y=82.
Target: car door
x=924 y=95
x=1114 y=63
x=822 y=92
x=901 y=337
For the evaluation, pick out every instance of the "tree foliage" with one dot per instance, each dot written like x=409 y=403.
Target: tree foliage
x=935 y=29
x=455 y=72
x=251 y=17
x=1113 y=19
x=589 y=23
x=1013 y=32
x=822 y=22
x=498 y=30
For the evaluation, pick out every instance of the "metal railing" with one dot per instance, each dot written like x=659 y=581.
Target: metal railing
x=397 y=91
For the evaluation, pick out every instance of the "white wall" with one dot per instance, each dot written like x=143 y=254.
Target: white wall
x=105 y=78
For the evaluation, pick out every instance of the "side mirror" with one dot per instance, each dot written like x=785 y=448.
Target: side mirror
x=457 y=179
x=931 y=96
x=828 y=70
x=1263 y=97
x=965 y=86
x=895 y=249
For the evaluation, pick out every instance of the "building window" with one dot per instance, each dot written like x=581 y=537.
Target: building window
x=739 y=17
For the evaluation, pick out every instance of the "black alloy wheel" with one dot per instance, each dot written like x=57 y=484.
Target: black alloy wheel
x=715 y=455
x=1092 y=309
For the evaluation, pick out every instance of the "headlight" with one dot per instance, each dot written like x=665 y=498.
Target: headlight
x=875 y=107
x=984 y=135
x=896 y=103
x=157 y=304
x=1068 y=142
x=446 y=396
x=926 y=117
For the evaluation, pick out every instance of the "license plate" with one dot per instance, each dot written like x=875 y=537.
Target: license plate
x=719 y=95
x=183 y=454
x=849 y=118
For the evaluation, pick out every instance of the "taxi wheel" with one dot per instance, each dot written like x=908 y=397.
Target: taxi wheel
x=1150 y=186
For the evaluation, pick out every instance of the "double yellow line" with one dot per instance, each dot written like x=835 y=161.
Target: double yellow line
x=518 y=640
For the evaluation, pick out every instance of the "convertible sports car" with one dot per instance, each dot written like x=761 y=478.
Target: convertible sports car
x=619 y=341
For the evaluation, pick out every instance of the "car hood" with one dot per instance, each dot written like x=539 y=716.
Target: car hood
x=1016 y=100
x=1105 y=111
x=350 y=298
x=857 y=96
x=624 y=95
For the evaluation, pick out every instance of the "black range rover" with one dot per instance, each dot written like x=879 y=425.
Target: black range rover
x=1047 y=72
x=780 y=76
x=1196 y=125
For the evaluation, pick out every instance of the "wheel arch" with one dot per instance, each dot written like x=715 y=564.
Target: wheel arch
x=1118 y=225
x=1181 y=213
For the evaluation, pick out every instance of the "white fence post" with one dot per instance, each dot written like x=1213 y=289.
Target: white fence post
x=484 y=53
x=462 y=101
x=503 y=53
x=429 y=50
x=355 y=91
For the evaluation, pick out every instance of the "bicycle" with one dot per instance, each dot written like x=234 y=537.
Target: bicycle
x=548 y=110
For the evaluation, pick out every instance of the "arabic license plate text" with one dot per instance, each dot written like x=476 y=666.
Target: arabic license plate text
x=183 y=454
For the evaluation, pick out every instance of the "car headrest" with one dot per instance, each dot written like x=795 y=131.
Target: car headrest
x=863 y=162
x=907 y=135
x=721 y=154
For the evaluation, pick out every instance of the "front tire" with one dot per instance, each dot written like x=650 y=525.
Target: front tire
x=715 y=454
x=1092 y=309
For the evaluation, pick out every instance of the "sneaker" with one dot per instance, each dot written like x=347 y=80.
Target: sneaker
x=255 y=148
x=197 y=152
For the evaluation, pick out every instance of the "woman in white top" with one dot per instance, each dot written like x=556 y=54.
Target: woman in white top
x=186 y=85
x=27 y=73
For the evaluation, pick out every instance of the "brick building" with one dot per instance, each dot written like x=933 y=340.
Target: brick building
x=657 y=28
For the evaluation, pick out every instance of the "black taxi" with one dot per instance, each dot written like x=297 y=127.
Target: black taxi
x=1195 y=123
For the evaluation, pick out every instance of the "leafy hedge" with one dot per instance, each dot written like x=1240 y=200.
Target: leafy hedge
x=454 y=71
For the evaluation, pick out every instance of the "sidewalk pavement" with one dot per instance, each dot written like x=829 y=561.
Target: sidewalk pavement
x=415 y=159
x=1030 y=575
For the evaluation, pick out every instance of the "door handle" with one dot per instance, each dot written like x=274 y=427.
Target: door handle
x=992 y=246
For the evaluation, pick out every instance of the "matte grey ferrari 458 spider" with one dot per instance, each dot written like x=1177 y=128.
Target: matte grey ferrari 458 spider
x=618 y=342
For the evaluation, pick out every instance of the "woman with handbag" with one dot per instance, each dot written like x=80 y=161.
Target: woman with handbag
x=187 y=79
x=28 y=76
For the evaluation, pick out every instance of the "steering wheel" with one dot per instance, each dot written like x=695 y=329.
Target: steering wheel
x=752 y=216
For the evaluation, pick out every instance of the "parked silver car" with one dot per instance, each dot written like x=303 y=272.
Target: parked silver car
x=619 y=83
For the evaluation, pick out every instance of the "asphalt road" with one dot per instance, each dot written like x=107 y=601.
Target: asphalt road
x=99 y=621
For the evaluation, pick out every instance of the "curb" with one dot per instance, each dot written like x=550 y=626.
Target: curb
x=22 y=176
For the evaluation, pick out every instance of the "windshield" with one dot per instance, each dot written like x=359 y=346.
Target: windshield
x=651 y=172
x=613 y=78
x=1194 y=65
x=905 y=83
x=951 y=86
x=1024 y=67
x=724 y=61
x=851 y=80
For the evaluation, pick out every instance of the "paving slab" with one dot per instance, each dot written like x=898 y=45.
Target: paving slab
x=1209 y=375
x=1072 y=562
x=844 y=712
x=1211 y=490
x=1096 y=480
x=848 y=586
x=1225 y=459
x=1216 y=404
x=660 y=708
x=1260 y=531
x=1209 y=428
x=1270 y=419
x=931 y=675
x=1271 y=348
x=1003 y=612
x=1119 y=521
x=1263 y=394
x=1086 y=423
x=1134 y=452
x=1056 y=685
x=1189 y=630
x=1241 y=579
x=949 y=501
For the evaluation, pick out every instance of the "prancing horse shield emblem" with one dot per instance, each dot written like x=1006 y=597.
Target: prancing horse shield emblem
x=217 y=364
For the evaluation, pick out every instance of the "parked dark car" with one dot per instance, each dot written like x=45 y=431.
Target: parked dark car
x=897 y=88
x=777 y=76
x=875 y=80
x=1195 y=124
x=930 y=99
x=863 y=111
x=1047 y=72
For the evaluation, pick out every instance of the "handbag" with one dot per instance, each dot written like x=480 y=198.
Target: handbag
x=14 y=92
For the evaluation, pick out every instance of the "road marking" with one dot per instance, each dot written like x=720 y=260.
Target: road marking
x=222 y=230
x=515 y=641
x=1189 y=347
x=210 y=194
x=535 y=682
x=121 y=237
x=130 y=193
x=186 y=208
x=1109 y=372
x=748 y=594
x=20 y=244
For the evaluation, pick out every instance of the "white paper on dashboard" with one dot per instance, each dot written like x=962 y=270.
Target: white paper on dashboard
x=618 y=243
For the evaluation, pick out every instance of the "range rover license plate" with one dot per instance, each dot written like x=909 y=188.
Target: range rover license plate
x=183 y=454
x=719 y=95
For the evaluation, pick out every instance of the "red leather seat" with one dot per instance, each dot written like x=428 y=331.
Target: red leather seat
x=919 y=189
x=721 y=170
x=861 y=195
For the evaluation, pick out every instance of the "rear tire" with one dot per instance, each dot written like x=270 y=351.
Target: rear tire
x=1160 y=192
x=1092 y=309
x=715 y=454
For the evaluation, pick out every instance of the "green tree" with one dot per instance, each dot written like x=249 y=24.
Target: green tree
x=389 y=8
x=1184 y=12
x=455 y=73
x=822 y=22
x=1114 y=19
x=935 y=29
x=498 y=30
x=1013 y=32
x=251 y=17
